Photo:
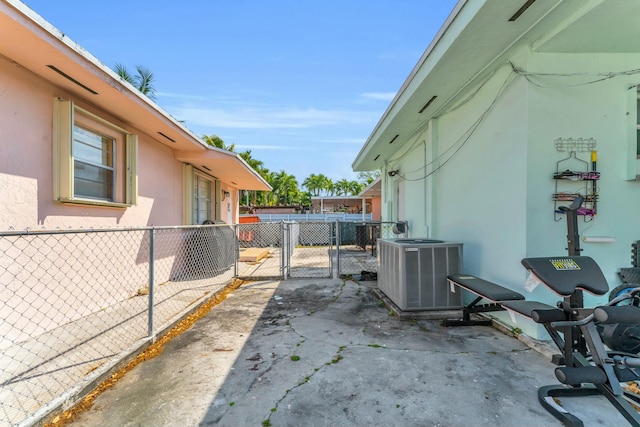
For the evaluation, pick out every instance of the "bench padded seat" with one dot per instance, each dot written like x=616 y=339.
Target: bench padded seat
x=484 y=288
x=537 y=311
x=565 y=275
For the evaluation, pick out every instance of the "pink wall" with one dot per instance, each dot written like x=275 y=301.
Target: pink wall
x=26 y=172
x=376 y=208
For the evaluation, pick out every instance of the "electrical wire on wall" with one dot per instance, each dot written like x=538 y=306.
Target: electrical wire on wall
x=419 y=131
x=595 y=77
x=452 y=150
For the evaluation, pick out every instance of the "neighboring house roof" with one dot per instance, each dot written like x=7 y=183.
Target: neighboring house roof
x=35 y=45
x=336 y=198
x=478 y=37
x=372 y=190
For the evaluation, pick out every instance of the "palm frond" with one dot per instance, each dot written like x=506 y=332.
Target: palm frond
x=144 y=81
x=124 y=74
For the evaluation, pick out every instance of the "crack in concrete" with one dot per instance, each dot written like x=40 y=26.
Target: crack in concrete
x=337 y=358
x=334 y=360
x=341 y=349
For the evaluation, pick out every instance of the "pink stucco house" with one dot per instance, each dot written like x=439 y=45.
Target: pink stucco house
x=79 y=147
x=373 y=197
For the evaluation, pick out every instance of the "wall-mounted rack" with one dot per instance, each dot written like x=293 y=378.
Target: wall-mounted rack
x=576 y=176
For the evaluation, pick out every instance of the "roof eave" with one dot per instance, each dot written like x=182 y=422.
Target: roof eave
x=114 y=95
x=226 y=166
x=360 y=164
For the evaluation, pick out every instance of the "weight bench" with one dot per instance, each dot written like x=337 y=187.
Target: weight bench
x=484 y=290
x=585 y=366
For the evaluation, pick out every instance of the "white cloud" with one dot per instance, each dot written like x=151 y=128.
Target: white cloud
x=176 y=95
x=342 y=141
x=270 y=117
x=266 y=147
x=382 y=96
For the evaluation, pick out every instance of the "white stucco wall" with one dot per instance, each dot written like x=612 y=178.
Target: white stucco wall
x=472 y=189
x=495 y=193
x=572 y=107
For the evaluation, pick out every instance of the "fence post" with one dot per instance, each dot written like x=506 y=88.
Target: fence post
x=331 y=252
x=284 y=247
x=338 y=235
x=237 y=250
x=151 y=280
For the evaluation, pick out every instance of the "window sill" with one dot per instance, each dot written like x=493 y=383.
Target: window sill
x=89 y=202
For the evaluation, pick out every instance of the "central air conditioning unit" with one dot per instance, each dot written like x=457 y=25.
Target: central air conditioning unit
x=413 y=273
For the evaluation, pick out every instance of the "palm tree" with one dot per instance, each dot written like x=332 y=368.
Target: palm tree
x=315 y=183
x=305 y=199
x=342 y=187
x=262 y=197
x=256 y=165
x=355 y=187
x=329 y=187
x=368 y=177
x=285 y=187
x=216 y=141
x=271 y=197
x=143 y=80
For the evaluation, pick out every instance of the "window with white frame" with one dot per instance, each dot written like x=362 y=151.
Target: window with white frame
x=201 y=196
x=95 y=161
x=202 y=201
x=94 y=165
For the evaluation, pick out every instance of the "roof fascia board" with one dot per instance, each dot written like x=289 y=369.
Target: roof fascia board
x=212 y=153
x=245 y=165
x=432 y=57
x=38 y=24
x=370 y=187
x=491 y=66
x=457 y=18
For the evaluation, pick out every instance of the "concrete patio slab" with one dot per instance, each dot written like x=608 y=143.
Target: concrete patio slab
x=327 y=352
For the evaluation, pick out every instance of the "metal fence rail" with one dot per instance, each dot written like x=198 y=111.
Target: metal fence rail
x=72 y=301
x=310 y=217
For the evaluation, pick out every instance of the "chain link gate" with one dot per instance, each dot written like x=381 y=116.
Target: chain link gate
x=356 y=249
x=280 y=250
x=260 y=250
x=312 y=255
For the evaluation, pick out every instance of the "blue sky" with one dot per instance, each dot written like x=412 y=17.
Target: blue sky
x=300 y=83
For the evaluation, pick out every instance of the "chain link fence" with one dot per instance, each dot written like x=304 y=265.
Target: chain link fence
x=356 y=253
x=72 y=303
x=260 y=250
x=309 y=249
x=285 y=250
x=312 y=256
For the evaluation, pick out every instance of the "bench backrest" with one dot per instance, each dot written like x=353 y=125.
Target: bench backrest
x=565 y=275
